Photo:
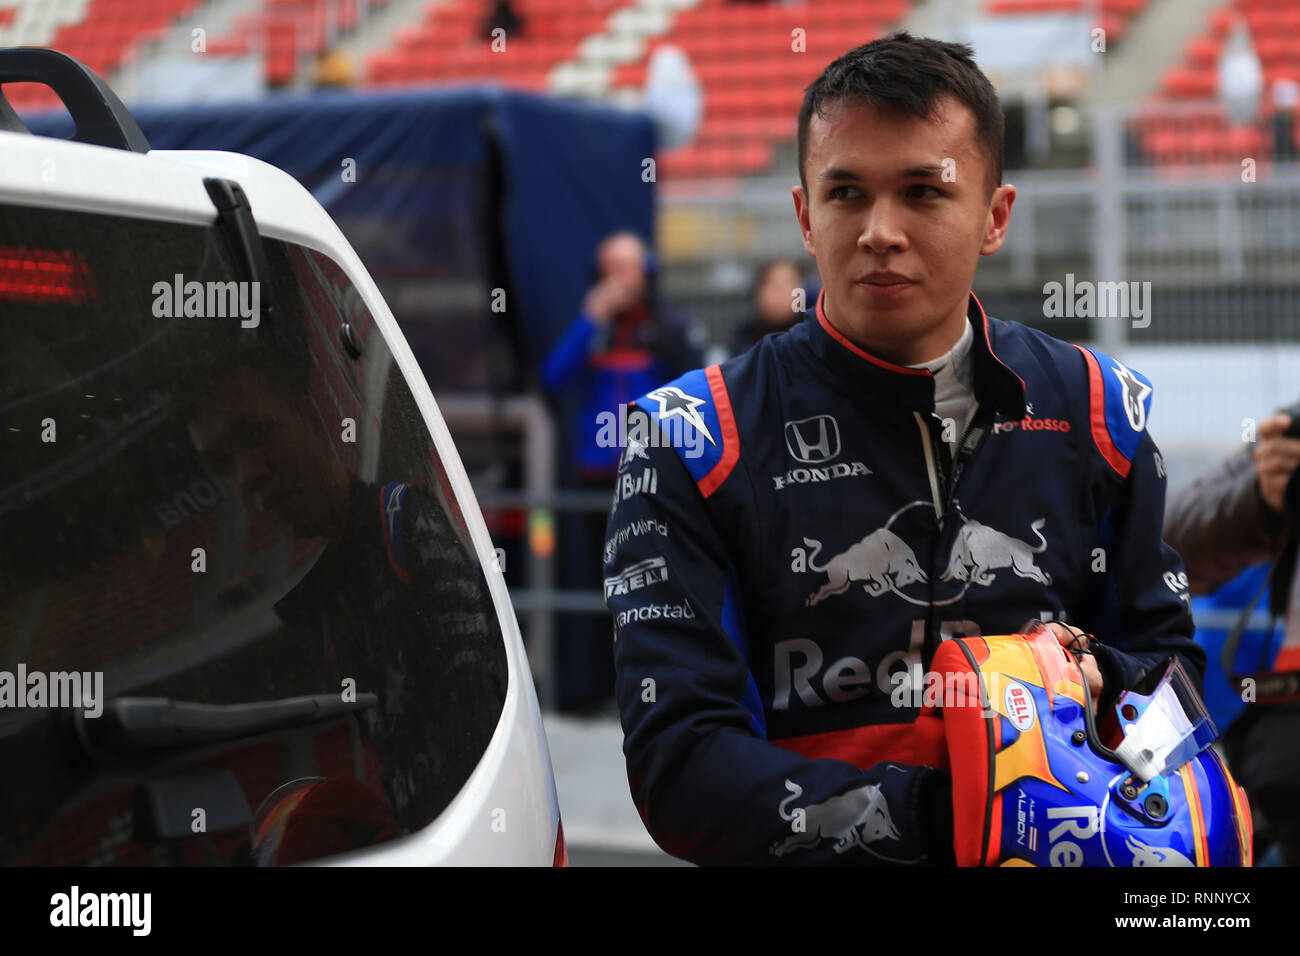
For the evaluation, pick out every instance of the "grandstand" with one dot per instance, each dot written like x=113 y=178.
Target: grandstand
x=108 y=35
x=1128 y=154
x=1185 y=123
x=752 y=60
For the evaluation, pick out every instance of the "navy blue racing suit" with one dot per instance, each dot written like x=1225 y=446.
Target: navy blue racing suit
x=791 y=538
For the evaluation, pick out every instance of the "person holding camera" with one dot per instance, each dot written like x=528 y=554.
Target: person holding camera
x=622 y=342
x=1243 y=511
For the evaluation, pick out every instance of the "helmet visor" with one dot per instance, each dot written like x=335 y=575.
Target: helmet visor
x=1166 y=728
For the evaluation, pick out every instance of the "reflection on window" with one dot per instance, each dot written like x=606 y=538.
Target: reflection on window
x=227 y=516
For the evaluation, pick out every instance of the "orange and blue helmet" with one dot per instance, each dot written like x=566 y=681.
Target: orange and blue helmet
x=1040 y=780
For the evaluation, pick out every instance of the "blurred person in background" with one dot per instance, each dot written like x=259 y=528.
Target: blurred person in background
x=1286 y=97
x=1241 y=512
x=502 y=16
x=623 y=342
x=335 y=70
x=774 y=304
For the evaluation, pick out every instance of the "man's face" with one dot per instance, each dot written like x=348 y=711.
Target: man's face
x=623 y=258
x=257 y=437
x=896 y=244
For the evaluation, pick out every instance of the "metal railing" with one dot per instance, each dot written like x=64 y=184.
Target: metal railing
x=1219 y=242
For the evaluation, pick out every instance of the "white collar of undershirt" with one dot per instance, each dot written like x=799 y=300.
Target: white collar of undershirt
x=954 y=386
x=956 y=362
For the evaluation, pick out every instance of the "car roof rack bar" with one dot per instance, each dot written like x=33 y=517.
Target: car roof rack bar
x=100 y=117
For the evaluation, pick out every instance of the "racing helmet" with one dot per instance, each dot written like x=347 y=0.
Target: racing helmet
x=1039 y=780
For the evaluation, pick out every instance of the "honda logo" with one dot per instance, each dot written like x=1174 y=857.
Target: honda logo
x=813 y=440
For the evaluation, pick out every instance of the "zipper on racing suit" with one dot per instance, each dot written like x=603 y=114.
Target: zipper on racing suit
x=943 y=487
x=970 y=440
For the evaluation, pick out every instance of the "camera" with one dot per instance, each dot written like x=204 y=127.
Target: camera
x=1293 y=430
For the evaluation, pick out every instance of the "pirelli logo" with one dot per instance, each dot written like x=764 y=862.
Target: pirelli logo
x=639 y=575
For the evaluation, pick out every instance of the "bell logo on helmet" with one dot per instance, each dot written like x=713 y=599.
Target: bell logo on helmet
x=1019 y=706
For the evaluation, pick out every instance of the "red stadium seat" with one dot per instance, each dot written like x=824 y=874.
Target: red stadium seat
x=1244 y=141
x=1221 y=21
x=384 y=67
x=1189 y=83
x=752 y=78
x=1205 y=137
x=1204 y=51
x=550 y=35
x=106 y=35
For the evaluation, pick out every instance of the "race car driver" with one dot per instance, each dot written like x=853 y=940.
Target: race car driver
x=794 y=531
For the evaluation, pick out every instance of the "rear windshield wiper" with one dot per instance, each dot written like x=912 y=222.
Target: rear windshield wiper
x=131 y=725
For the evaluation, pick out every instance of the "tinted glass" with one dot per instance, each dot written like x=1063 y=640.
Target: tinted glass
x=234 y=540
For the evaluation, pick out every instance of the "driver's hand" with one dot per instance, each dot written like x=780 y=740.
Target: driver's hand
x=1073 y=636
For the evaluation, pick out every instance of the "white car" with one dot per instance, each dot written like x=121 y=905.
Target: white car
x=249 y=608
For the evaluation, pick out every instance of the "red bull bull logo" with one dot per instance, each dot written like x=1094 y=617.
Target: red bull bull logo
x=883 y=562
x=981 y=550
x=852 y=819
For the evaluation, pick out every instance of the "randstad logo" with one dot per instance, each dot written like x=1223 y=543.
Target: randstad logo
x=655 y=612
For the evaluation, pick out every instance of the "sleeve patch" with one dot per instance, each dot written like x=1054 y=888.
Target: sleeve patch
x=1119 y=401
x=693 y=415
x=390 y=507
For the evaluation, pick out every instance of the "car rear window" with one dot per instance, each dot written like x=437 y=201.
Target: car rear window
x=227 y=529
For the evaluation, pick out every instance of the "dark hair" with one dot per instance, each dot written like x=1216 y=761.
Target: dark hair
x=908 y=74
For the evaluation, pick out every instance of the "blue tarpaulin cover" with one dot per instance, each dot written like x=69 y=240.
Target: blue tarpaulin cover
x=419 y=211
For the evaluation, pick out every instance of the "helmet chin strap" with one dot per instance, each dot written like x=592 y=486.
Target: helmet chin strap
x=1078 y=648
x=1089 y=715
